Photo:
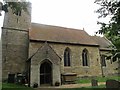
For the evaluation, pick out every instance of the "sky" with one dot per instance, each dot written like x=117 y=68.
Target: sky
x=78 y=14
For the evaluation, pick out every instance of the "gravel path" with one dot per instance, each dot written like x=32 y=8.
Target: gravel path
x=68 y=86
x=79 y=85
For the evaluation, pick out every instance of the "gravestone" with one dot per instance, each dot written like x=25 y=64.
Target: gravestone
x=11 y=78
x=94 y=82
x=112 y=84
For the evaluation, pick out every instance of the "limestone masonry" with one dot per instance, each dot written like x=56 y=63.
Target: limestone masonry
x=48 y=55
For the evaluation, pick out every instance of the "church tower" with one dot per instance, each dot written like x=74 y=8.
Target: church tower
x=15 y=41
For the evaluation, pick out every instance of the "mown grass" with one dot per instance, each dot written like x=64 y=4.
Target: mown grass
x=9 y=86
x=100 y=79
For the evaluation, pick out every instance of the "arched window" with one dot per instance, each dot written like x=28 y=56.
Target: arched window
x=85 y=57
x=103 y=61
x=67 y=57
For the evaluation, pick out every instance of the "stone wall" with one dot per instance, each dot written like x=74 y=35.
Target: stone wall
x=111 y=67
x=21 y=22
x=15 y=42
x=45 y=54
x=76 y=58
x=15 y=52
x=0 y=64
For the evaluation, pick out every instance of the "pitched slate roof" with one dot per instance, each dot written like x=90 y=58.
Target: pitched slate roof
x=58 y=34
x=103 y=42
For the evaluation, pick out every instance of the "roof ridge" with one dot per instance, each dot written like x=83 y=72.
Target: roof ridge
x=61 y=34
x=59 y=27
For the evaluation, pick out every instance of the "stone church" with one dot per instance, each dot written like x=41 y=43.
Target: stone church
x=48 y=54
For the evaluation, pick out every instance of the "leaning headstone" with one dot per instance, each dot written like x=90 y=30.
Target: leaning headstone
x=94 y=82
x=112 y=84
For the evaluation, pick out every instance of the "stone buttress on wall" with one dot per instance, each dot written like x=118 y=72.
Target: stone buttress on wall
x=15 y=41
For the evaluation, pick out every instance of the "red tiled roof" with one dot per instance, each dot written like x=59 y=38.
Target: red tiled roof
x=42 y=32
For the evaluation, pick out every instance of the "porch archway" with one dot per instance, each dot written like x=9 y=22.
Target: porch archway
x=46 y=73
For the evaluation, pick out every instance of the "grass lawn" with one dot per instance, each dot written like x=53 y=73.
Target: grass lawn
x=100 y=79
x=9 y=86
